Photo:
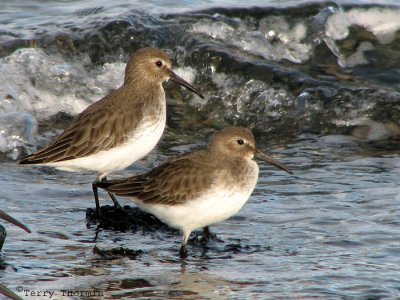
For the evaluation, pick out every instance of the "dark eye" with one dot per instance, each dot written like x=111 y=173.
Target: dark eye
x=240 y=142
x=159 y=63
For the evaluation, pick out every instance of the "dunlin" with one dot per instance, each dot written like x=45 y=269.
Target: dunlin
x=119 y=129
x=200 y=188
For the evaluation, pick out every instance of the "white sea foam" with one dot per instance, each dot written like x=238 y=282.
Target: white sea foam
x=383 y=23
x=276 y=38
x=17 y=129
x=35 y=86
x=273 y=39
x=251 y=100
x=45 y=84
x=187 y=73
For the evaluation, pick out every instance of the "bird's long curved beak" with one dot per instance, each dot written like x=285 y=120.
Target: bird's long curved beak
x=10 y=219
x=184 y=83
x=270 y=160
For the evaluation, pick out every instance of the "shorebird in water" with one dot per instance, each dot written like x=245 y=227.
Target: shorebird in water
x=200 y=188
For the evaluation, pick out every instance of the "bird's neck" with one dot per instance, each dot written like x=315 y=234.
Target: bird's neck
x=149 y=95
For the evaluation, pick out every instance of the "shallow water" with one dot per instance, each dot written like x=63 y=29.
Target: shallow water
x=329 y=231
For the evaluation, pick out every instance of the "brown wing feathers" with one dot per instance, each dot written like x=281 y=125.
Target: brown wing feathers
x=170 y=183
x=108 y=130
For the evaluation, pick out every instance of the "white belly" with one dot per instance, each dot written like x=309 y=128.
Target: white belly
x=212 y=207
x=141 y=142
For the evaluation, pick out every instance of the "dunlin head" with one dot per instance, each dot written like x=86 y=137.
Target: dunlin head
x=199 y=188
x=119 y=129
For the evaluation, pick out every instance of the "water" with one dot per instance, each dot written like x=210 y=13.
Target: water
x=316 y=81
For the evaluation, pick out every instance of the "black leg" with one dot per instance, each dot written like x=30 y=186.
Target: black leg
x=116 y=204
x=206 y=234
x=96 y=197
x=183 y=251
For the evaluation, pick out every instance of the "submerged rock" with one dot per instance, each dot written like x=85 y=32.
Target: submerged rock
x=119 y=252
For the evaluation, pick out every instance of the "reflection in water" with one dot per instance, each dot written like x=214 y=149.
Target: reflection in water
x=185 y=285
x=202 y=284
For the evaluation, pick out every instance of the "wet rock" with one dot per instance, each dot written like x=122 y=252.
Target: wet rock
x=238 y=247
x=114 y=253
x=126 y=218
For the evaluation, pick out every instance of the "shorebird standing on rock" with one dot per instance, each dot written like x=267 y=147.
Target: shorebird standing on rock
x=200 y=188
x=119 y=129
